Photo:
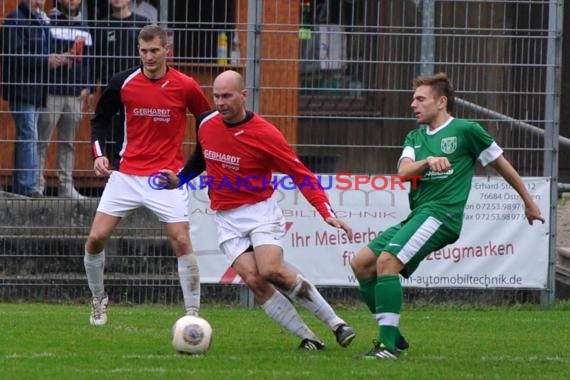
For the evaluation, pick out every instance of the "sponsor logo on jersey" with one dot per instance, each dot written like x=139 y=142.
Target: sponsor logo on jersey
x=228 y=161
x=157 y=114
x=431 y=174
x=151 y=111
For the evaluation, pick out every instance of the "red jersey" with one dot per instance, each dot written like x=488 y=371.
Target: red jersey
x=154 y=118
x=239 y=161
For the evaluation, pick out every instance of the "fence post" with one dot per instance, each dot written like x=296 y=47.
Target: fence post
x=253 y=53
x=246 y=297
x=551 y=131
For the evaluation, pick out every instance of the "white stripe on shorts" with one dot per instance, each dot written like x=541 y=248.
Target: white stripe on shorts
x=418 y=239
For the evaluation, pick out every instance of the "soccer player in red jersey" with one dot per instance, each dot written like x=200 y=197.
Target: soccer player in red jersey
x=240 y=150
x=152 y=101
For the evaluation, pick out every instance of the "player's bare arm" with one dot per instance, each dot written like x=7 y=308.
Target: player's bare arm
x=101 y=166
x=409 y=167
x=338 y=223
x=505 y=169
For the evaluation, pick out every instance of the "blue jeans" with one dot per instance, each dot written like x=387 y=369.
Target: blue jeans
x=25 y=148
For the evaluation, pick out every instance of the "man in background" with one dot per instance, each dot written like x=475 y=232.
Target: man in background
x=26 y=62
x=116 y=50
x=69 y=89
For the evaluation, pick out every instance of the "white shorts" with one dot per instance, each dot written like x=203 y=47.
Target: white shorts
x=124 y=193
x=249 y=225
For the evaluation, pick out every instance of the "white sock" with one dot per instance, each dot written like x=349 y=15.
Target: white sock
x=283 y=312
x=309 y=297
x=189 y=275
x=94 y=268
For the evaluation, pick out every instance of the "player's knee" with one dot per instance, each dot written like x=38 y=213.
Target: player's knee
x=180 y=244
x=95 y=241
x=356 y=267
x=363 y=266
x=274 y=275
x=94 y=246
x=180 y=238
x=255 y=282
x=388 y=264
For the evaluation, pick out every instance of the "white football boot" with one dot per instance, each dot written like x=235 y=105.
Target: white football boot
x=99 y=310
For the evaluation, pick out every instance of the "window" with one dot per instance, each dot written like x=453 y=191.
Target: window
x=338 y=42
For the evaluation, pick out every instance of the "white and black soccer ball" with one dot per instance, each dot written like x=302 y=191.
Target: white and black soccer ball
x=191 y=335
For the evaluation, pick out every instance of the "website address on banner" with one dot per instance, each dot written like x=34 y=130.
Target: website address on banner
x=464 y=280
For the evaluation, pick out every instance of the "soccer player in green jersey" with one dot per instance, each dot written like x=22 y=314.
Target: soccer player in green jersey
x=443 y=151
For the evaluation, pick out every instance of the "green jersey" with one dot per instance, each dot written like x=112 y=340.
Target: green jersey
x=444 y=194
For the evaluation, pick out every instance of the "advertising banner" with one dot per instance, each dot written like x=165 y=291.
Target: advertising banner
x=497 y=247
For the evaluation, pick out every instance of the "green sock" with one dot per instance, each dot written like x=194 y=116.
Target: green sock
x=399 y=335
x=367 y=288
x=389 y=298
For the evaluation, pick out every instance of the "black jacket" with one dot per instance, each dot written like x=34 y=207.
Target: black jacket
x=26 y=43
x=116 y=45
x=70 y=80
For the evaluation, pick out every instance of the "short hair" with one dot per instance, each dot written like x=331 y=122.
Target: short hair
x=150 y=32
x=441 y=85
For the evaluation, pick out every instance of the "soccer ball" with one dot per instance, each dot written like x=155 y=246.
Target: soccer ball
x=191 y=335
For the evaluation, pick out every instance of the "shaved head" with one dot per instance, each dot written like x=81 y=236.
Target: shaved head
x=230 y=79
x=229 y=96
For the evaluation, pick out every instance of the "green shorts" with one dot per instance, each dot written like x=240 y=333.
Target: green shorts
x=413 y=239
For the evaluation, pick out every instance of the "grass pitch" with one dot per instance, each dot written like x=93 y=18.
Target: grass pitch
x=46 y=341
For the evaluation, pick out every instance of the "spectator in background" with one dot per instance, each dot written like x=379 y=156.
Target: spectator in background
x=116 y=40
x=26 y=62
x=116 y=50
x=144 y=8
x=69 y=89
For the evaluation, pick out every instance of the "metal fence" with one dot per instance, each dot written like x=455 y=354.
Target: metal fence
x=334 y=75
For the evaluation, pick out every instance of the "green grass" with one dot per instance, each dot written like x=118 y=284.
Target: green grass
x=46 y=341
